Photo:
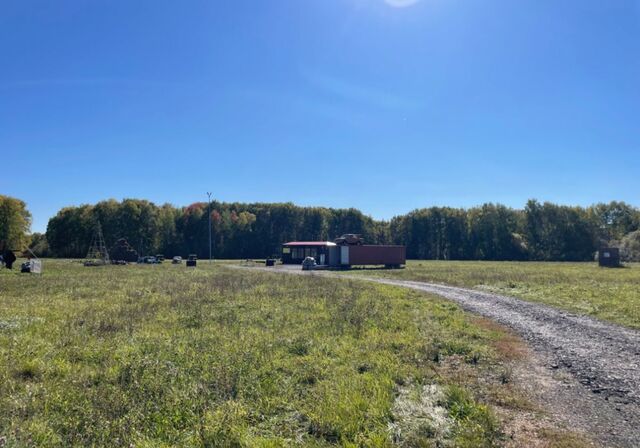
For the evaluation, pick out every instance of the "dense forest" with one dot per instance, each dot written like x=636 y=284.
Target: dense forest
x=539 y=231
x=238 y=230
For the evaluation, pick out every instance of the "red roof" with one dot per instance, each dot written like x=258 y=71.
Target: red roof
x=309 y=243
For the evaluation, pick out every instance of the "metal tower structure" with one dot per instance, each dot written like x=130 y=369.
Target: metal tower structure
x=98 y=254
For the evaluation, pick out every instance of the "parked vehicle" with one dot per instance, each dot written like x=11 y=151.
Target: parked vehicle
x=176 y=260
x=192 y=261
x=349 y=239
x=309 y=264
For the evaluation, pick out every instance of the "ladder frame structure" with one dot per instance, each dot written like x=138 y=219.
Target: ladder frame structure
x=98 y=255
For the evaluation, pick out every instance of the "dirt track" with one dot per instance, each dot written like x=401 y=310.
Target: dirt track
x=591 y=368
x=603 y=359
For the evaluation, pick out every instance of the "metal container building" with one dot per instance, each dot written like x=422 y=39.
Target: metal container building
x=295 y=252
x=390 y=256
x=609 y=257
x=327 y=253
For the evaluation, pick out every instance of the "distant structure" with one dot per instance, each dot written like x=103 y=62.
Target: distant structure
x=122 y=251
x=609 y=257
x=346 y=251
x=98 y=254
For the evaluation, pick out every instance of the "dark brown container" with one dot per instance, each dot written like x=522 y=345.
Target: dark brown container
x=609 y=257
x=373 y=255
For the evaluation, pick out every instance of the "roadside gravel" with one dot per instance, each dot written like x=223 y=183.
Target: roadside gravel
x=595 y=365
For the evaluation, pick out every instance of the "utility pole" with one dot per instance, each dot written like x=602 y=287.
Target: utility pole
x=209 y=195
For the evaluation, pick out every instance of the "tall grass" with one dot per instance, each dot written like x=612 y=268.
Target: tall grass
x=165 y=356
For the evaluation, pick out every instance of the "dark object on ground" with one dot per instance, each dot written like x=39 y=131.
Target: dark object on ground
x=93 y=263
x=160 y=258
x=192 y=260
x=122 y=251
x=349 y=239
x=9 y=258
x=270 y=262
x=33 y=266
x=176 y=260
x=609 y=257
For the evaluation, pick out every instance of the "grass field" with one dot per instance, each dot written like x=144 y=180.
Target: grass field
x=164 y=356
x=585 y=288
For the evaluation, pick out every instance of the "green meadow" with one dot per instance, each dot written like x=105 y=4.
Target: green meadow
x=584 y=288
x=159 y=356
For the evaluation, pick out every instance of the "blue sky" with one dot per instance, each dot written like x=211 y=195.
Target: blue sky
x=382 y=105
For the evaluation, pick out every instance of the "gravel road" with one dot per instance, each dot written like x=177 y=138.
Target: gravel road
x=602 y=358
x=592 y=367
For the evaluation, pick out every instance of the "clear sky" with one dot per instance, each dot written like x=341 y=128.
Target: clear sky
x=384 y=105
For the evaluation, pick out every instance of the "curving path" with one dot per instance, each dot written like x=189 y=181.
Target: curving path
x=599 y=362
x=603 y=358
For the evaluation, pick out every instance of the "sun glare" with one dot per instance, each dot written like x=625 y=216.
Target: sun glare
x=401 y=3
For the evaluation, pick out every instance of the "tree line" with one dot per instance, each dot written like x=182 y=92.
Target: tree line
x=238 y=230
x=539 y=231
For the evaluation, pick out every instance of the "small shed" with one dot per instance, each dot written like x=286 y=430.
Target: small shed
x=609 y=257
x=295 y=252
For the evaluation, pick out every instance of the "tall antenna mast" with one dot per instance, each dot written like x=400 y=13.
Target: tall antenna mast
x=98 y=254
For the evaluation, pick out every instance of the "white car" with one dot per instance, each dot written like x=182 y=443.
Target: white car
x=309 y=264
x=176 y=260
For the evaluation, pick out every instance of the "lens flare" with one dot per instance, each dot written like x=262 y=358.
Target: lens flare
x=401 y=3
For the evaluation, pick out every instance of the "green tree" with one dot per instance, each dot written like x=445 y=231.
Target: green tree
x=493 y=233
x=39 y=245
x=558 y=233
x=69 y=233
x=614 y=220
x=240 y=230
x=15 y=222
x=630 y=246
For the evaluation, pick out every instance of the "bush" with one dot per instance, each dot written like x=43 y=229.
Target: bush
x=630 y=246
